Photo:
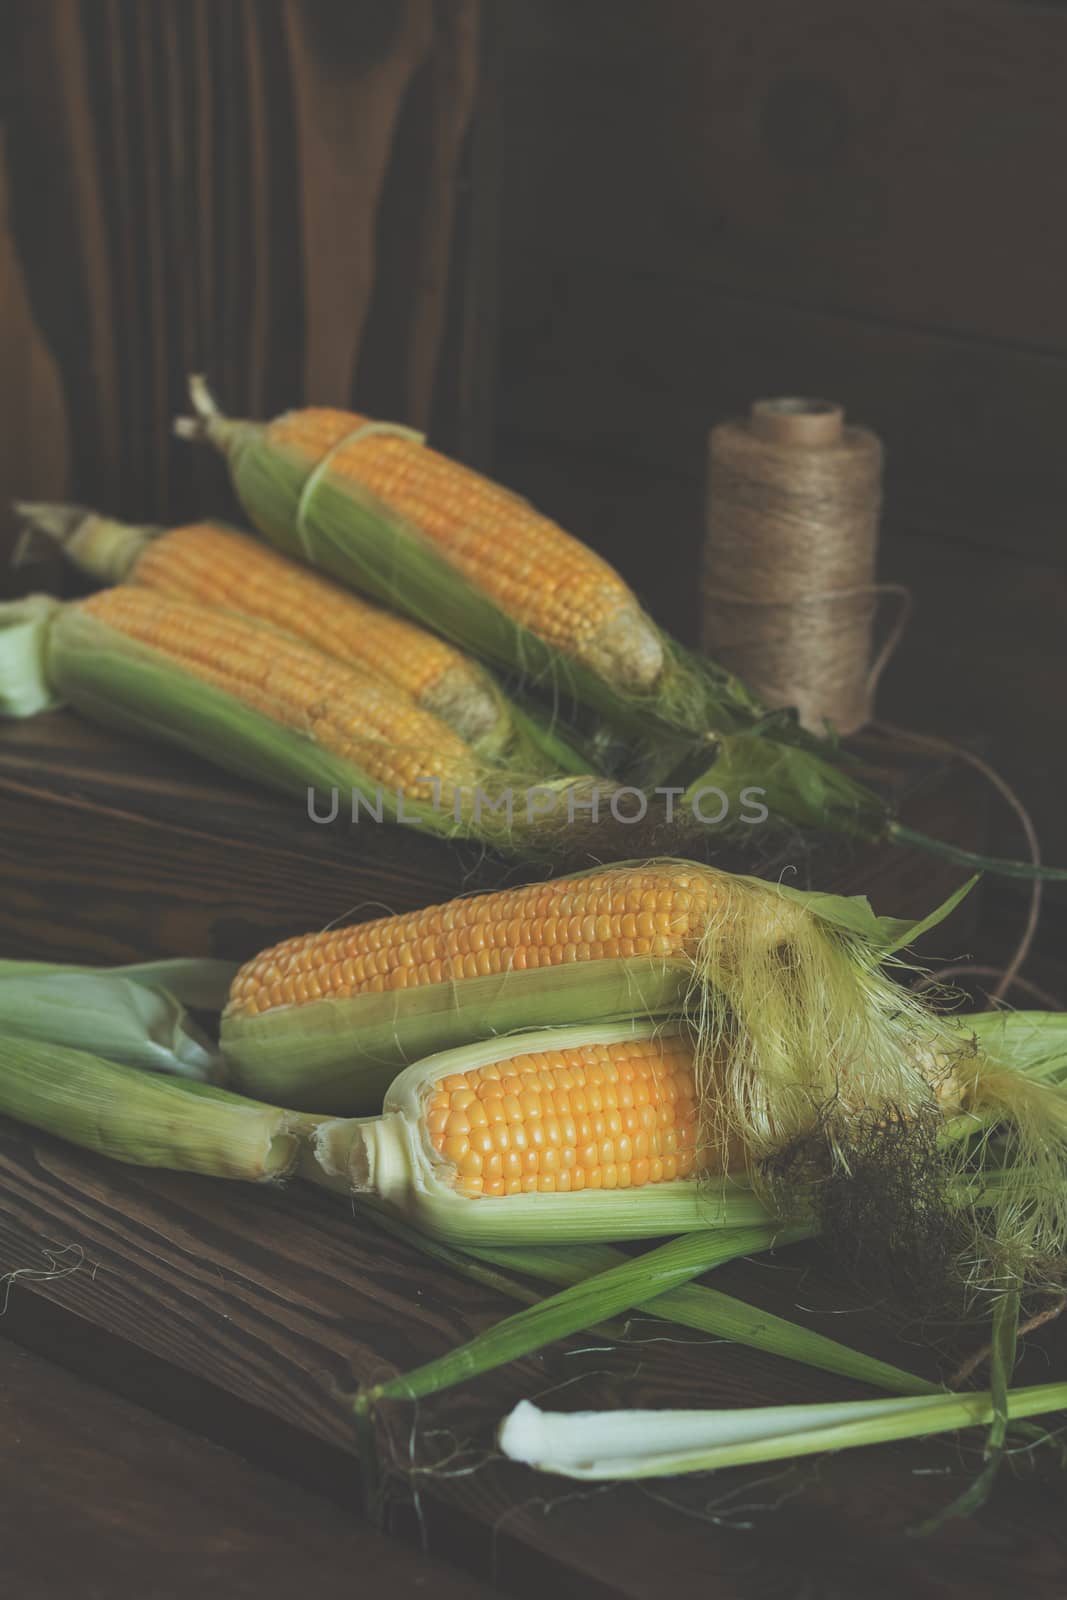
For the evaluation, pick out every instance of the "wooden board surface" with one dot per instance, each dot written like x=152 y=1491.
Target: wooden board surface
x=251 y=1315
x=111 y=850
x=101 y=1500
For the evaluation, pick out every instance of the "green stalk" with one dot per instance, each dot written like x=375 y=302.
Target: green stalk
x=898 y=833
x=588 y=1302
x=145 y=1119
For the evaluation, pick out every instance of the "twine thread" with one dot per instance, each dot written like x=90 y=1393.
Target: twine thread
x=320 y=469
x=790 y=597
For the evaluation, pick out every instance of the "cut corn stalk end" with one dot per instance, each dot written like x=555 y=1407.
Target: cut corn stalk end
x=101 y=547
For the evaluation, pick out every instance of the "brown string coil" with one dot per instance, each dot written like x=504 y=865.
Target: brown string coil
x=792 y=540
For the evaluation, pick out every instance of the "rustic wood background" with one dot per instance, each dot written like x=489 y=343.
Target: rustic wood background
x=706 y=202
x=272 y=191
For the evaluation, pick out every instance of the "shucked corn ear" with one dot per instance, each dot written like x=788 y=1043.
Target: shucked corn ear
x=268 y=706
x=790 y=1012
x=585 y=1133
x=329 y=1017
x=213 y=565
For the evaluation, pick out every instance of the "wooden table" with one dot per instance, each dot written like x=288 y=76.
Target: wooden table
x=160 y=1326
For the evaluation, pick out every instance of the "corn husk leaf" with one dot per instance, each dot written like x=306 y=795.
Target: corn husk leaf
x=882 y=936
x=25 y=686
x=202 y=982
x=593 y=1300
x=692 y=1306
x=342 y=1054
x=111 y=1013
x=1033 y=1043
x=797 y=786
x=597 y=1445
x=709 y=1311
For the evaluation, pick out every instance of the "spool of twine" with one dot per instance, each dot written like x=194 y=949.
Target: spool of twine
x=792 y=541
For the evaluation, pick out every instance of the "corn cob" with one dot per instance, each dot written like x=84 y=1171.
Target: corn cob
x=439 y=536
x=798 y=1034
x=269 y=707
x=361 y=719
x=589 y=1132
x=328 y=1018
x=544 y=579
x=211 y=564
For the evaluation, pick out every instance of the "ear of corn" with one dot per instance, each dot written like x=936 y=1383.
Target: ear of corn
x=375 y=507
x=327 y=1019
x=360 y=721
x=270 y=708
x=368 y=503
x=210 y=564
x=584 y=1133
x=791 y=1011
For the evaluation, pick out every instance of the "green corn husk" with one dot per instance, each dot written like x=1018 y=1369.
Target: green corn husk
x=25 y=686
x=144 y=1119
x=341 y=1054
x=599 y=1446
x=135 y=1014
x=69 y=656
x=694 y=707
x=108 y=551
x=692 y=1306
x=353 y=535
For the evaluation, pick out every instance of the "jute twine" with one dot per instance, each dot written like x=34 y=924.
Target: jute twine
x=789 y=587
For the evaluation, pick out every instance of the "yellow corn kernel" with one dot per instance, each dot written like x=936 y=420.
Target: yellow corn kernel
x=556 y=1157
x=433 y=945
x=218 y=566
x=542 y=577
x=364 y=720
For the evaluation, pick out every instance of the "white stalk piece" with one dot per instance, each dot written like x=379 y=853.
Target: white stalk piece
x=602 y=1445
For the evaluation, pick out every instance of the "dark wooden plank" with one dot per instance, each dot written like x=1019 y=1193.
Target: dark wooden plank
x=890 y=162
x=279 y=1300
x=111 y=849
x=150 y=1510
